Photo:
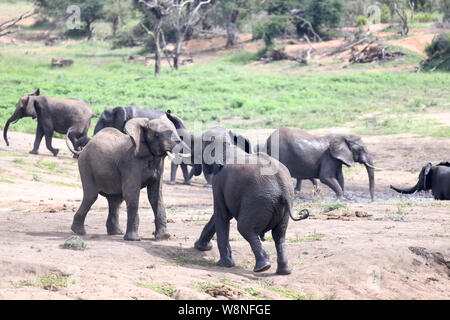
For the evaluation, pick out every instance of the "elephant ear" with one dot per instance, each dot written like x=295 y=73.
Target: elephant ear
x=135 y=128
x=426 y=179
x=240 y=141
x=340 y=150
x=120 y=118
x=36 y=92
x=31 y=107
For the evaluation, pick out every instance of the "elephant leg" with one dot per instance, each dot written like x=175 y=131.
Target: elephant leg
x=208 y=178
x=340 y=178
x=298 y=186
x=222 y=224
x=186 y=174
x=247 y=230
x=155 y=198
x=173 y=173
x=279 y=235
x=132 y=200
x=48 y=142
x=315 y=185
x=38 y=139
x=89 y=197
x=112 y=223
x=204 y=242
x=334 y=185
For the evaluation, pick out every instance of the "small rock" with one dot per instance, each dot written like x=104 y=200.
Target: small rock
x=74 y=243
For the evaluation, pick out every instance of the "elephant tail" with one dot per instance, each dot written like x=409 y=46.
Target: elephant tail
x=304 y=214
x=77 y=153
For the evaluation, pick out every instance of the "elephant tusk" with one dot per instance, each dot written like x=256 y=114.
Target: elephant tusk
x=375 y=168
x=185 y=155
x=171 y=155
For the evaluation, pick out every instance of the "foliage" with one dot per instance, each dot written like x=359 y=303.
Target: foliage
x=271 y=27
x=362 y=21
x=385 y=14
x=438 y=53
x=325 y=13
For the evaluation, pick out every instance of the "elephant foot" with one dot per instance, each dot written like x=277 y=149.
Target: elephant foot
x=284 y=270
x=75 y=156
x=55 y=152
x=114 y=231
x=162 y=236
x=132 y=236
x=78 y=229
x=203 y=246
x=188 y=183
x=261 y=266
x=227 y=262
x=172 y=183
x=33 y=152
x=208 y=185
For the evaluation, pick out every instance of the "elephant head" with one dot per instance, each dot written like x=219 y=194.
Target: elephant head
x=26 y=107
x=215 y=149
x=424 y=183
x=115 y=118
x=350 y=149
x=157 y=138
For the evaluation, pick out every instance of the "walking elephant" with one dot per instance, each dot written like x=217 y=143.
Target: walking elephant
x=118 y=116
x=241 y=190
x=66 y=116
x=118 y=165
x=312 y=157
x=435 y=178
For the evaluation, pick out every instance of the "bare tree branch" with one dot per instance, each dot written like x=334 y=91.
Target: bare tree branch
x=12 y=22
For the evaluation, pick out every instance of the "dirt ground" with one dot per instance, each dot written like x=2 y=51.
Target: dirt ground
x=393 y=248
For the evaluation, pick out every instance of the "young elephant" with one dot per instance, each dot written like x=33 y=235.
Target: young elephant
x=118 y=116
x=118 y=166
x=65 y=116
x=258 y=202
x=434 y=178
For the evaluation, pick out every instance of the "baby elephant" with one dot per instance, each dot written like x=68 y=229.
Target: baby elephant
x=118 y=166
x=434 y=178
x=259 y=202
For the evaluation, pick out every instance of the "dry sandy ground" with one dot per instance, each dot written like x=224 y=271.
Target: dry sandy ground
x=360 y=250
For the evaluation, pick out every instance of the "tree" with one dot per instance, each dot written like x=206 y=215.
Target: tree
x=185 y=15
x=324 y=13
x=5 y=26
x=159 y=10
x=90 y=10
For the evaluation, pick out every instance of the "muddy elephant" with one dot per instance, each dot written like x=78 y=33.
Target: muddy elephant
x=66 y=116
x=118 y=165
x=258 y=201
x=435 y=178
x=118 y=116
x=320 y=157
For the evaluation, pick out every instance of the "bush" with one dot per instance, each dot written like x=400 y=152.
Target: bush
x=271 y=27
x=385 y=14
x=438 y=53
x=423 y=17
x=361 y=21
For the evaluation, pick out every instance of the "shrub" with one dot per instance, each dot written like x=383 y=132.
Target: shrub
x=361 y=21
x=385 y=14
x=438 y=53
x=423 y=17
x=271 y=27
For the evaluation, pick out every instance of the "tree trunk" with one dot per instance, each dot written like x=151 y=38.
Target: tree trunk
x=176 y=58
x=158 y=47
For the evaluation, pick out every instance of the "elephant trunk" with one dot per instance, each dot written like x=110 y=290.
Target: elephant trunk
x=16 y=116
x=408 y=190
x=371 y=173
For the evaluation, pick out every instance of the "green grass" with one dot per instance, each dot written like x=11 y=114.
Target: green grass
x=166 y=290
x=49 y=282
x=182 y=257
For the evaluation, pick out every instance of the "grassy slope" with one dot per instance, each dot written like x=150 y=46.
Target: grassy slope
x=371 y=102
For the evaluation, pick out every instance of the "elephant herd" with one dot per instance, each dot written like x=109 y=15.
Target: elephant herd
x=250 y=183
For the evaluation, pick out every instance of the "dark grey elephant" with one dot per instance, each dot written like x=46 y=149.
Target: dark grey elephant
x=311 y=157
x=117 y=166
x=118 y=116
x=242 y=191
x=435 y=178
x=65 y=116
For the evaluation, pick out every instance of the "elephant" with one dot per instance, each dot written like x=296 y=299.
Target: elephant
x=312 y=157
x=117 y=165
x=435 y=178
x=66 y=116
x=231 y=136
x=118 y=116
x=258 y=202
